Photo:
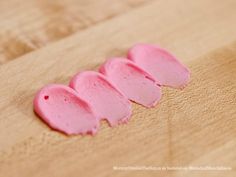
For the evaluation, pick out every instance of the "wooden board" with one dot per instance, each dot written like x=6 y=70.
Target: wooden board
x=27 y=26
x=192 y=127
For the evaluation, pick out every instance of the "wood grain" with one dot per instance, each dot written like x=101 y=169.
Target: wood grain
x=33 y=24
x=196 y=126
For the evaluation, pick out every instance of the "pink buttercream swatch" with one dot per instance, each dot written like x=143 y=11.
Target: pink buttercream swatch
x=62 y=109
x=93 y=96
x=132 y=81
x=107 y=102
x=163 y=66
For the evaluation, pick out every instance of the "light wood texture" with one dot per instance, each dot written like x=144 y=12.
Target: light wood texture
x=195 y=126
x=32 y=24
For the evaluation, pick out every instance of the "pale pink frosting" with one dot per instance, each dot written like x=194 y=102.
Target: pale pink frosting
x=62 y=109
x=132 y=81
x=107 y=102
x=159 y=63
x=93 y=96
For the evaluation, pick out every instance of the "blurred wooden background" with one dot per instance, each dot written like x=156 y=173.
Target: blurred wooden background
x=45 y=42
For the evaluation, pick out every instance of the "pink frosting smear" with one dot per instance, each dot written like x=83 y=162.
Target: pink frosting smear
x=105 y=95
x=162 y=65
x=107 y=102
x=63 y=110
x=132 y=81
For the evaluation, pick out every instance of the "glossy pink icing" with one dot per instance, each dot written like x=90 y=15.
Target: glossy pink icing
x=159 y=63
x=62 y=109
x=107 y=102
x=132 y=81
x=93 y=96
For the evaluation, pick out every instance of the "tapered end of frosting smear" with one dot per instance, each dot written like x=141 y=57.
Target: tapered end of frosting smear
x=162 y=65
x=107 y=102
x=62 y=109
x=132 y=81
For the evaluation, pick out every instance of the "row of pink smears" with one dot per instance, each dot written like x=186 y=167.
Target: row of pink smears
x=92 y=96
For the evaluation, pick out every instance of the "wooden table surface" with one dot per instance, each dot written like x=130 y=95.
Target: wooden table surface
x=45 y=42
